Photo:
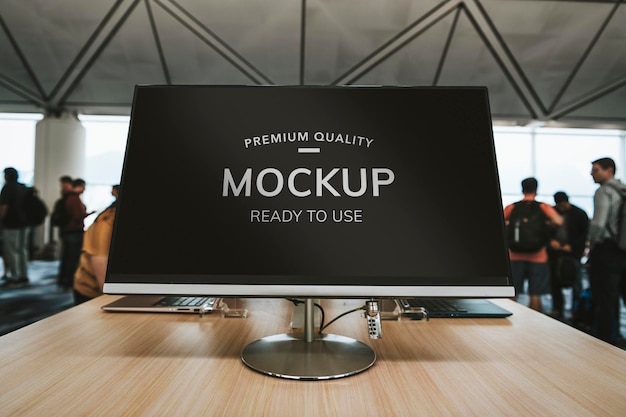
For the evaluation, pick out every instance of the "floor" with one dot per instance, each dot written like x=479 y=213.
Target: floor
x=43 y=298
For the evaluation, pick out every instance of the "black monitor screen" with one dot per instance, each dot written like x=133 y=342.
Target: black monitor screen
x=310 y=191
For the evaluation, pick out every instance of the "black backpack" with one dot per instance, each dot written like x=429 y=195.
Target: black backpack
x=34 y=208
x=528 y=229
x=60 y=216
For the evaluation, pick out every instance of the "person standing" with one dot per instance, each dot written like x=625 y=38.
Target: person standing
x=72 y=234
x=528 y=223
x=89 y=277
x=607 y=270
x=15 y=229
x=58 y=216
x=565 y=250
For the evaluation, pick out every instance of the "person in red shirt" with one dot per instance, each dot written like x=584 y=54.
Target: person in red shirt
x=532 y=266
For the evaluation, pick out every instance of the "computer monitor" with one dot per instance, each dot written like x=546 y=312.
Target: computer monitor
x=313 y=192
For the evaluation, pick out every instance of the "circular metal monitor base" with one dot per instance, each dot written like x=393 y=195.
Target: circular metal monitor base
x=289 y=356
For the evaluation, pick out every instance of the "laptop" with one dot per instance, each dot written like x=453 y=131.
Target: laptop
x=451 y=307
x=163 y=304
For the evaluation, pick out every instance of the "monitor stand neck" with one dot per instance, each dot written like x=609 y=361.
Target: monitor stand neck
x=309 y=322
x=308 y=356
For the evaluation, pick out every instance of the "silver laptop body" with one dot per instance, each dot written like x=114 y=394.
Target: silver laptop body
x=164 y=304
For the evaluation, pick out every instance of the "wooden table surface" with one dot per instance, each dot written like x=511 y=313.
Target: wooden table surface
x=84 y=362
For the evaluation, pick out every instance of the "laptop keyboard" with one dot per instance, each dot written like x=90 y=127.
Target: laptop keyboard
x=185 y=301
x=432 y=305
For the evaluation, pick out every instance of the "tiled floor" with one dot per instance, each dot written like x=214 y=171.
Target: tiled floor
x=43 y=298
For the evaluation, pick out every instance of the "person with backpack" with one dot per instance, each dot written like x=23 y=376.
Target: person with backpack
x=15 y=229
x=607 y=260
x=528 y=224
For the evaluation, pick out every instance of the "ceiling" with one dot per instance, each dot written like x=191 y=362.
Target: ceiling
x=552 y=63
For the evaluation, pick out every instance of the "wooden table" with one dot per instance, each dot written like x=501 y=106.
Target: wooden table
x=87 y=362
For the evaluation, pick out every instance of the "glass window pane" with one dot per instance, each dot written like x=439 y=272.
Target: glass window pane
x=514 y=156
x=105 y=146
x=563 y=161
x=17 y=144
x=106 y=143
x=559 y=158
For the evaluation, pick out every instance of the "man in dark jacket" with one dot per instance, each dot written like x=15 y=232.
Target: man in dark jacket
x=15 y=229
x=72 y=234
x=565 y=250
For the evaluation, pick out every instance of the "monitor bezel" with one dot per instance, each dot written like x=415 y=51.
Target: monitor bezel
x=311 y=291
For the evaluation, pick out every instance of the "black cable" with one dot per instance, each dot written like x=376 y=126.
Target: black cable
x=297 y=302
x=340 y=316
x=323 y=316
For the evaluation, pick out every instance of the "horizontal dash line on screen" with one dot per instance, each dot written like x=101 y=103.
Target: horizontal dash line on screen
x=308 y=150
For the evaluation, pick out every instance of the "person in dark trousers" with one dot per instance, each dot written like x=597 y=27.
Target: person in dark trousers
x=15 y=229
x=72 y=234
x=607 y=271
x=565 y=250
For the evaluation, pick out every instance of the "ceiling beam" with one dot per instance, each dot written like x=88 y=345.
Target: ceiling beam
x=92 y=50
x=21 y=91
x=157 y=41
x=214 y=41
x=446 y=47
x=397 y=42
x=505 y=59
x=588 y=98
x=303 y=17
x=584 y=56
x=22 y=58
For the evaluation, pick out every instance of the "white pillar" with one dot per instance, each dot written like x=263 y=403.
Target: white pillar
x=60 y=145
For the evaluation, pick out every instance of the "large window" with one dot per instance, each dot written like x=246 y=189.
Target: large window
x=106 y=143
x=17 y=144
x=514 y=154
x=559 y=158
